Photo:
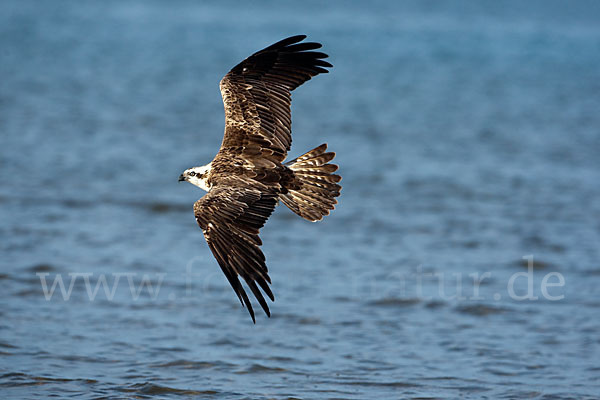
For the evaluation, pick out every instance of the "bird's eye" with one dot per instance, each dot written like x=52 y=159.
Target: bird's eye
x=192 y=173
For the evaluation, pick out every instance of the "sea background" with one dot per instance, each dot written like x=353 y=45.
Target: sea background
x=467 y=134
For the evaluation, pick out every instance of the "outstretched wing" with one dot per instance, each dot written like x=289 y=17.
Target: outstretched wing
x=230 y=217
x=257 y=99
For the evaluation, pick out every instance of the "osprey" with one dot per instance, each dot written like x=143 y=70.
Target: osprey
x=248 y=176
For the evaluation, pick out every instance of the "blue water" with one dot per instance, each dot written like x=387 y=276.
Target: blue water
x=468 y=138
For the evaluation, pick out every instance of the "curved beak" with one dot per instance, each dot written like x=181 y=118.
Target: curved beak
x=181 y=178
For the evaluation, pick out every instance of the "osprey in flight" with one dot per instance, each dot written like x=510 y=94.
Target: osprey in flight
x=248 y=176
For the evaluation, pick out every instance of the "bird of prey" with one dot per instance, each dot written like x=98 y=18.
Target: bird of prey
x=248 y=176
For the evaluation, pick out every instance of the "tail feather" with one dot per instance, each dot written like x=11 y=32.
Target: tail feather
x=315 y=187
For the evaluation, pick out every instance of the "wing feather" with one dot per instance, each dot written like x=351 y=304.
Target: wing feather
x=257 y=96
x=231 y=216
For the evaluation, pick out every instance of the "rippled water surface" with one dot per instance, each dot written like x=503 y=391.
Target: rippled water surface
x=461 y=262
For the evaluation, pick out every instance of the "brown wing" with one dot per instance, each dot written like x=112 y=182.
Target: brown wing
x=256 y=95
x=230 y=217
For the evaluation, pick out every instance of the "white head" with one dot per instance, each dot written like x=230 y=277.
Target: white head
x=197 y=176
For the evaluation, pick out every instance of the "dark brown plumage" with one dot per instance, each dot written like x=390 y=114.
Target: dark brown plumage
x=247 y=178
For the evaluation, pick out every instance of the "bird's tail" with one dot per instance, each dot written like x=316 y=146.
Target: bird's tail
x=313 y=193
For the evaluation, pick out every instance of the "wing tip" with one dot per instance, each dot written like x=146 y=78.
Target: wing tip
x=293 y=44
x=298 y=38
x=286 y=42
